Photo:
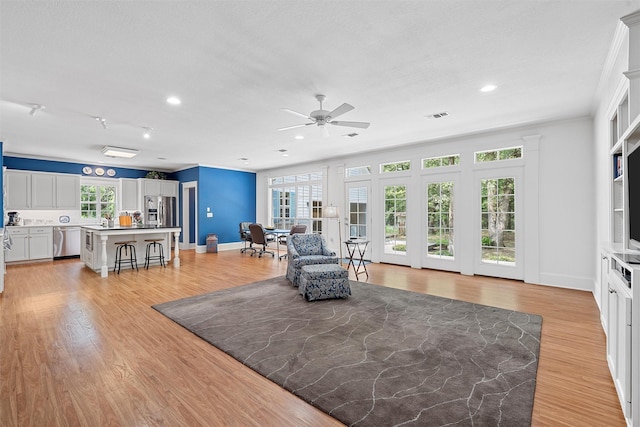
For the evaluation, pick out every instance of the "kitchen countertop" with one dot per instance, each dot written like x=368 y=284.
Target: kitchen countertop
x=9 y=227
x=118 y=228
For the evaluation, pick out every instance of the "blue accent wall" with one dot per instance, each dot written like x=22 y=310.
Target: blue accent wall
x=1 y=184
x=21 y=163
x=231 y=196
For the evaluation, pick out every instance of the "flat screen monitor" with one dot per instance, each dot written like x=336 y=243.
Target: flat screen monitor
x=633 y=180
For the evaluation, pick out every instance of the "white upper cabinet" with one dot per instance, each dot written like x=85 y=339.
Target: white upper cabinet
x=39 y=190
x=67 y=192
x=129 y=194
x=159 y=187
x=18 y=190
x=43 y=188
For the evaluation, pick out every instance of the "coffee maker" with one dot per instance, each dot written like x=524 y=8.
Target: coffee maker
x=14 y=218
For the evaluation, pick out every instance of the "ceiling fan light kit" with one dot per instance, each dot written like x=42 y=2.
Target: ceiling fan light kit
x=322 y=117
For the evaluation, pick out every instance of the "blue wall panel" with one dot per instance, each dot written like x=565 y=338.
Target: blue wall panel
x=21 y=163
x=1 y=186
x=231 y=196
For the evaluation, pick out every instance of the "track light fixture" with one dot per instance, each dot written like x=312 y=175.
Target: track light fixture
x=35 y=108
x=102 y=121
x=147 y=132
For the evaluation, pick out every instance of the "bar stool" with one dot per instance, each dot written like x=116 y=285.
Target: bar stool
x=154 y=246
x=128 y=246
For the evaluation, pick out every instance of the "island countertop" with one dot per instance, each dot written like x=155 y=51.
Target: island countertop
x=98 y=229
x=98 y=250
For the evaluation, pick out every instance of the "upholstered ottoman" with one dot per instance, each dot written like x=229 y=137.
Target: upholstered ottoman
x=324 y=281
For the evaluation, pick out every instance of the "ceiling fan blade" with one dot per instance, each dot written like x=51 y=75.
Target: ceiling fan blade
x=362 y=125
x=296 y=126
x=296 y=113
x=344 y=108
x=325 y=131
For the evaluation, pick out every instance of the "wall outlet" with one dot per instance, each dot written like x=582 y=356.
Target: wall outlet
x=209 y=214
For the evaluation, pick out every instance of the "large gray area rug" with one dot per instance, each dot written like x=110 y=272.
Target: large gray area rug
x=382 y=357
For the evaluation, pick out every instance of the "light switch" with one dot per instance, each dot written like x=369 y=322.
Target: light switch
x=209 y=214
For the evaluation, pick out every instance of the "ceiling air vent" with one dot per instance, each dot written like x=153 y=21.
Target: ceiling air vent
x=351 y=135
x=438 y=115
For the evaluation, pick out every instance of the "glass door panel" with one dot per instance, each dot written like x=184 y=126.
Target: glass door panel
x=439 y=204
x=395 y=219
x=358 y=212
x=499 y=217
x=440 y=237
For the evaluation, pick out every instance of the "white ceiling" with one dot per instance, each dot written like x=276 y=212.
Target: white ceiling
x=236 y=64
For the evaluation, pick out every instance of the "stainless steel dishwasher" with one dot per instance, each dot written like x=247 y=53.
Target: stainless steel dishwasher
x=66 y=242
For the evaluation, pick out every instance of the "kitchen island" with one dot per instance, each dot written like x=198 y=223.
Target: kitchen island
x=99 y=250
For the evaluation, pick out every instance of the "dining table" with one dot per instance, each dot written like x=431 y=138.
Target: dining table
x=277 y=232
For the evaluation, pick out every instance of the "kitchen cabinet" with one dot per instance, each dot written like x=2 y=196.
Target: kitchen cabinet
x=43 y=188
x=67 y=191
x=18 y=190
x=159 y=187
x=129 y=195
x=40 y=190
x=30 y=243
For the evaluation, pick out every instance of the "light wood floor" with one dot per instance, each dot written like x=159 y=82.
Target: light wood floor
x=76 y=349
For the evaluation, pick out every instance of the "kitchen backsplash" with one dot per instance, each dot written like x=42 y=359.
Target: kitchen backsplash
x=50 y=217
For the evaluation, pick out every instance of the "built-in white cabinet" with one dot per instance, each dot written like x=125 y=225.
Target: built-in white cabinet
x=40 y=190
x=159 y=187
x=623 y=292
x=18 y=190
x=129 y=194
x=67 y=191
x=30 y=243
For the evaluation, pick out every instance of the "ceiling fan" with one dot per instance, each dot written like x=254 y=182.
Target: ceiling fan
x=322 y=117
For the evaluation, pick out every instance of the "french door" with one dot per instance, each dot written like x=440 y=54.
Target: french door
x=439 y=204
x=499 y=219
x=394 y=222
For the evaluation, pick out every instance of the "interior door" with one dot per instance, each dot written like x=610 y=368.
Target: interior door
x=499 y=219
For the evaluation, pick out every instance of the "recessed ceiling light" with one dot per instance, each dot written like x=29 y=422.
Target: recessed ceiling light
x=488 y=88
x=147 y=132
x=173 y=100
x=299 y=137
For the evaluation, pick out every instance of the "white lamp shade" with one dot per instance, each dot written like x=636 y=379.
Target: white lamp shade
x=330 y=212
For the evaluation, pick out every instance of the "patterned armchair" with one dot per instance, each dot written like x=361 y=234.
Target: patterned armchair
x=306 y=249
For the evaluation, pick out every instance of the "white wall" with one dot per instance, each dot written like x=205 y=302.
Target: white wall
x=560 y=252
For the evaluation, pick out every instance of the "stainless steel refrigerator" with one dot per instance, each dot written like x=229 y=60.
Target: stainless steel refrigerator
x=160 y=211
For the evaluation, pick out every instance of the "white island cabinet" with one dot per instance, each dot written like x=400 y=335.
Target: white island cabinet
x=99 y=249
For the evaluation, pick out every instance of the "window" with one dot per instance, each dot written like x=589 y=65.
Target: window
x=297 y=199
x=436 y=162
x=97 y=201
x=358 y=205
x=357 y=171
x=395 y=167
x=501 y=154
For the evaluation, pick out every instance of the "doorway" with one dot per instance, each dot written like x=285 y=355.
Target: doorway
x=189 y=215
